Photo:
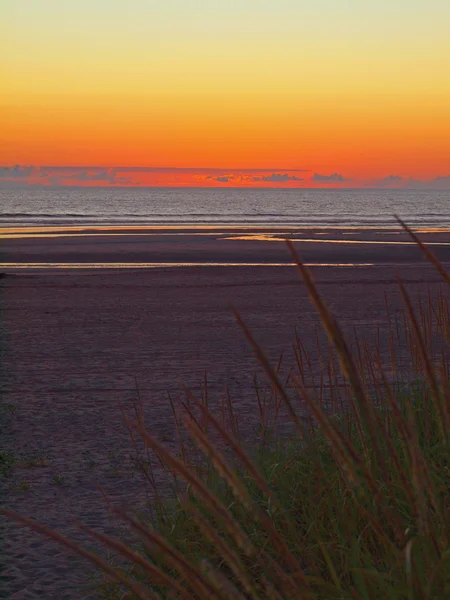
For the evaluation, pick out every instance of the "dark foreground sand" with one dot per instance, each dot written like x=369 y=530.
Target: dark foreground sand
x=74 y=343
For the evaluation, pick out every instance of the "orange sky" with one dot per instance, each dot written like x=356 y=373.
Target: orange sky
x=363 y=92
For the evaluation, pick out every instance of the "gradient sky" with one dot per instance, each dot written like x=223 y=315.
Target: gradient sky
x=356 y=88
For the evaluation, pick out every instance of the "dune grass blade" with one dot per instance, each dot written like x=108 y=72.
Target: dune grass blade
x=426 y=251
x=211 y=500
x=228 y=553
x=173 y=558
x=429 y=371
x=330 y=325
x=271 y=373
x=219 y=463
x=214 y=505
x=240 y=453
x=365 y=410
x=353 y=469
x=363 y=405
x=152 y=573
x=177 y=426
x=220 y=581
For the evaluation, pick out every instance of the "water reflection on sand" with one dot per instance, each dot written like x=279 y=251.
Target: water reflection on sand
x=277 y=238
x=162 y=265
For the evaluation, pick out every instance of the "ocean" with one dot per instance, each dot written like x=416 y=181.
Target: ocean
x=31 y=206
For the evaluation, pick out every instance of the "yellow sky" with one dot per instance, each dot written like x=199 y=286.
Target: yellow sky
x=360 y=88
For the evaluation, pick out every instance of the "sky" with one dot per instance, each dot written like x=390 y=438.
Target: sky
x=225 y=93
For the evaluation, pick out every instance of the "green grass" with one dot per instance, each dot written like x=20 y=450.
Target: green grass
x=354 y=504
x=343 y=535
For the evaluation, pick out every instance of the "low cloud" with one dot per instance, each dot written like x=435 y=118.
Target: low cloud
x=105 y=176
x=333 y=178
x=17 y=172
x=60 y=176
x=279 y=178
x=392 y=180
x=20 y=175
x=441 y=182
x=116 y=176
x=243 y=178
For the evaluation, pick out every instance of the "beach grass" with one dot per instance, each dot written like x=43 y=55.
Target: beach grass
x=351 y=502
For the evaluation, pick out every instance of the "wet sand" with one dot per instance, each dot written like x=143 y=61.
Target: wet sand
x=75 y=343
x=216 y=245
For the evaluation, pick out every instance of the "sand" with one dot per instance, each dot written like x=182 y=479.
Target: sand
x=75 y=343
x=217 y=245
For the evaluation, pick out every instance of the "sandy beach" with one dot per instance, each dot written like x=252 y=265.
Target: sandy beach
x=77 y=342
x=215 y=245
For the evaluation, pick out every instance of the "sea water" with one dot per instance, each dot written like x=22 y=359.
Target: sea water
x=76 y=206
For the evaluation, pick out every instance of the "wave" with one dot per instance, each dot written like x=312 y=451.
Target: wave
x=104 y=214
x=387 y=224
x=226 y=217
x=158 y=207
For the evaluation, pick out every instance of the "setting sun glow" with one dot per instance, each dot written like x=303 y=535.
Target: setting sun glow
x=228 y=94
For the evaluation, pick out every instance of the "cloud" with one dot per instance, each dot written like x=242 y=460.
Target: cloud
x=392 y=179
x=16 y=172
x=20 y=175
x=242 y=178
x=104 y=176
x=333 y=178
x=278 y=177
x=109 y=176
x=441 y=182
x=59 y=176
